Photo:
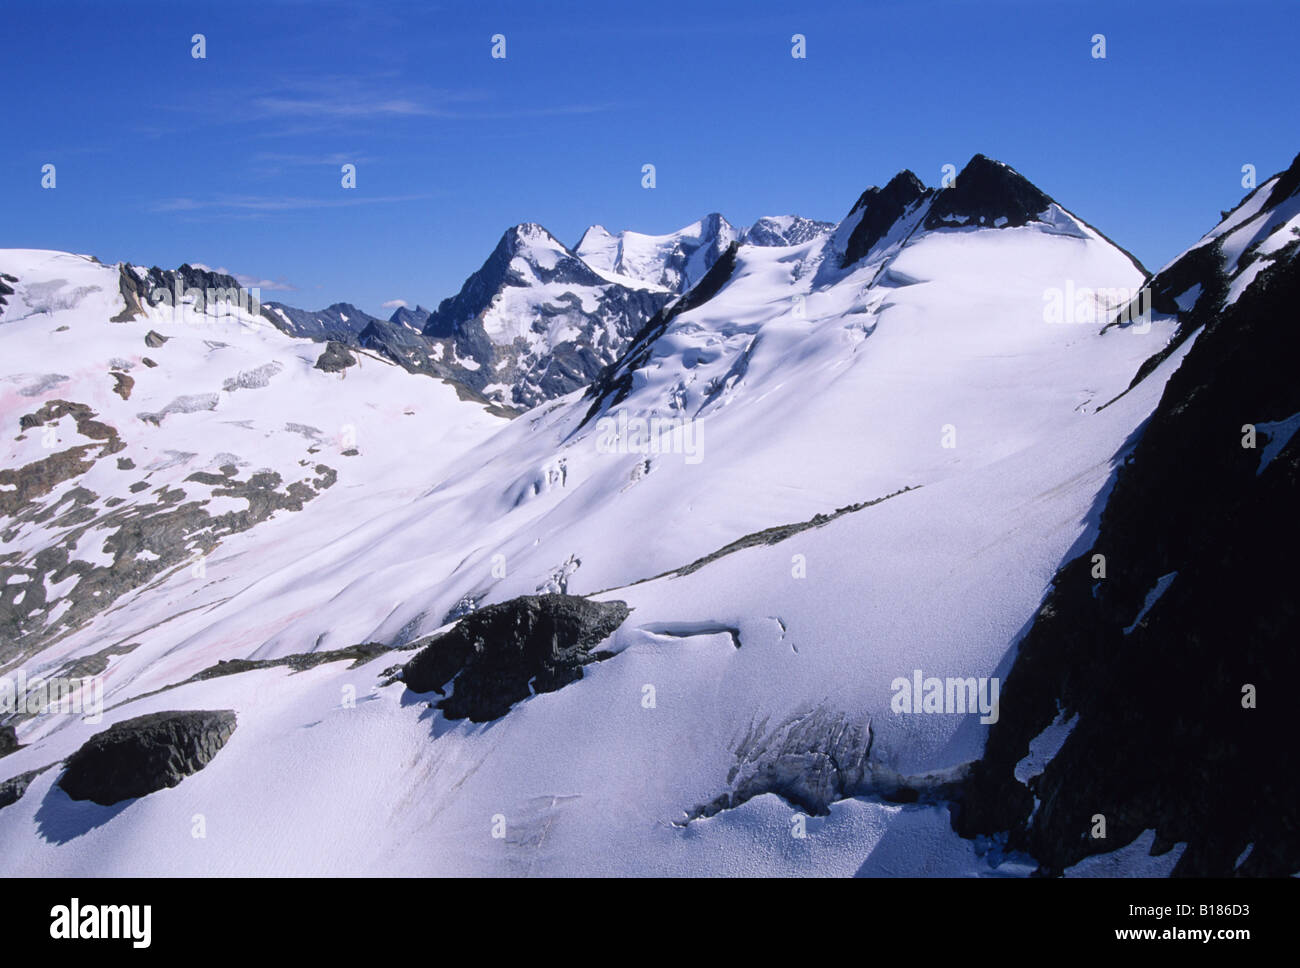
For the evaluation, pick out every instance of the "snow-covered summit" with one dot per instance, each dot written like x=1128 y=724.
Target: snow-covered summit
x=678 y=260
x=675 y=261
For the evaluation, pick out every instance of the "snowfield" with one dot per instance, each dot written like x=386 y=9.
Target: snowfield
x=919 y=390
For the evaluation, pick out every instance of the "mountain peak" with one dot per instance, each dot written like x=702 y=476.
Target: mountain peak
x=413 y=318
x=881 y=209
x=902 y=185
x=528 y=234
x=713 y=222
x=987 y=193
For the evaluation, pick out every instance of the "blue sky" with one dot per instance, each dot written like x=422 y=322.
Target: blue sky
x=234 y=160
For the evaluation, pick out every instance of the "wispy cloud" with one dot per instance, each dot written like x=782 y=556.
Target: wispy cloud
x=266 y=204
x=394 y=304
x=345 y=106
x=269 y=164
x=247 y=281
x=292 y=107
x=307 y=160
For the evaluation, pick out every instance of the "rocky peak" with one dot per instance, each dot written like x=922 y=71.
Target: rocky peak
x=881 y=209
x=987 y=193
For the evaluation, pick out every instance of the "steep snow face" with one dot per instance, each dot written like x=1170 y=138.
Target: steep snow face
x=1253 y=234
x=860 y=471
x=675 y=261
x=1207 y=279
x=679 y=260
x=134 y=450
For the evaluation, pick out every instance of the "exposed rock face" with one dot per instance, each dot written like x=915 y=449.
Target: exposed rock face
x=987 y=193
x=140 y=756
x=398 y=340
x=12 y=790
x=336 y=358
x=535 y=321
x=142 y=288
x=5 y=288
x=340 y=321
x=410 y=318
x=502 y=654
x=133 y=299
x=1197 y=604
x=8 y=740
x=881 y=209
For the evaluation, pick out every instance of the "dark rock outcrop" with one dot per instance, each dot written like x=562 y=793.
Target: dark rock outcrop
x=336 y=358
x=5 y=289
x=985 y=193
x=1197 y=608
x=8 y=740
x=123 y=384
x=411 y=318
x=501 y=654
x=881 y=209
x=140 y=756
x=142 y=288
x=12 y=790
x=133 y=297
x=340 y=321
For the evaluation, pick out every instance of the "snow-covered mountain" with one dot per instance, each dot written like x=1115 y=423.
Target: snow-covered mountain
x=539 y=320
x=535 y=321
x=660 y=623
x=679 y=260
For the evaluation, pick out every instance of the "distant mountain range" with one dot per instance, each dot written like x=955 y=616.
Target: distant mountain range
x=538 y=319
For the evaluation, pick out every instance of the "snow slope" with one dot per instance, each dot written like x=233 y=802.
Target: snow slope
x=801 y=387
x=194 y=427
